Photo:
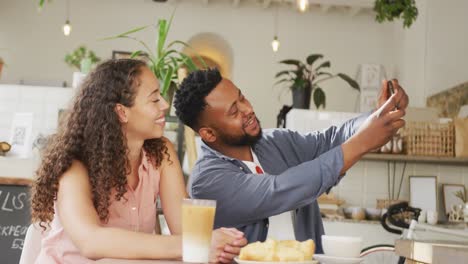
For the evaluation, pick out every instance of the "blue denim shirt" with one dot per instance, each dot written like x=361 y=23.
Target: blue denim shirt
x=298 y=169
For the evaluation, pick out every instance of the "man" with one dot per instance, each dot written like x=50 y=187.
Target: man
x=255 y=174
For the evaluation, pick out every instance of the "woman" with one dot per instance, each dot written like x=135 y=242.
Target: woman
x=101 y=174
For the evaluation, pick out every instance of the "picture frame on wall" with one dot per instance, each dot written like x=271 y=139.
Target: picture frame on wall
x=450 y=198
x=118 y=54
x=423 y=192
x=21 y=135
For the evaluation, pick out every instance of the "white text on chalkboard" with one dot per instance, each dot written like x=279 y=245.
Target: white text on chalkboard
x=12 y=230
x=12 y=202
x=17 y=244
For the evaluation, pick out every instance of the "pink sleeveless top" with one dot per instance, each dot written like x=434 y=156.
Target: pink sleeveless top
x=138 y=214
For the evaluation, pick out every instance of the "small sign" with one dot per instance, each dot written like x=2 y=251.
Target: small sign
x=21 y=135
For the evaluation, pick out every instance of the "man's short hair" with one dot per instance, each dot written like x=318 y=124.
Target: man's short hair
x=189 y=100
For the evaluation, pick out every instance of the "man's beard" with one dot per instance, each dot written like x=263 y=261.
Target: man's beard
x=244 y=140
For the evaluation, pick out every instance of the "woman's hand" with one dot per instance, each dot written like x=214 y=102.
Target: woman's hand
x=226 y=244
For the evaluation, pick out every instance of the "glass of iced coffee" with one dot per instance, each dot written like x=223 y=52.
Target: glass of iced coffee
x=197 y=226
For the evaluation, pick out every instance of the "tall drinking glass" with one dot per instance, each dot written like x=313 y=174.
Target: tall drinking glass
x=197 y=227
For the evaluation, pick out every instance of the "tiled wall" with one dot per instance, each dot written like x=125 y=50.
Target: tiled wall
x=368 y=180
x=44 y=102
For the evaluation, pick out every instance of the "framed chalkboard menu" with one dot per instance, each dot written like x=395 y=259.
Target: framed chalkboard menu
x=15 y=217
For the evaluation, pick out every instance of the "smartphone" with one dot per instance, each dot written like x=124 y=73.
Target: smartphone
x=390 y=88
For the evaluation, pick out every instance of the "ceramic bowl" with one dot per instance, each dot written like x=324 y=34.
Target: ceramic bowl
x=342 y=246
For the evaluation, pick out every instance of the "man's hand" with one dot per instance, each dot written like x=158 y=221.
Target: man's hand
x=226 y=244
x=401 y=96
x=377 y=130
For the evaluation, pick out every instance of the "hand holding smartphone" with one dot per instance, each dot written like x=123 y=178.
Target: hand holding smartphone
x=391 y=90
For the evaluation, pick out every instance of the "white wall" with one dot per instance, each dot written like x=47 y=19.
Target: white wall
x=36 y=46
x=432 y=54
x=447 y=44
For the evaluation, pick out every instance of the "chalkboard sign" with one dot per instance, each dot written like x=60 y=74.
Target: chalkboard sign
x=15 y=217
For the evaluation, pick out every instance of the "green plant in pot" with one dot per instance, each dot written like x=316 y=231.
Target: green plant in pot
x=164 y=60
x=388 y=10
x=305 y=79
x=82 y=59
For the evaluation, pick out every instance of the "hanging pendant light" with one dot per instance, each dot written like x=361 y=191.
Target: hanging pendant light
x=275 y=44
x=303 y=5
x=67 y=26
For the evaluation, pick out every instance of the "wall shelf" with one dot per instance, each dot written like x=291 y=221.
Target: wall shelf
x=416 y=159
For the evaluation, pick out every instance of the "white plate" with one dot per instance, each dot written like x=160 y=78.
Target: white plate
x=336 y=260
x=236 y=259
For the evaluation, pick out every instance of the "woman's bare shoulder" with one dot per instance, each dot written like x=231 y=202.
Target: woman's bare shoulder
x=77 y=174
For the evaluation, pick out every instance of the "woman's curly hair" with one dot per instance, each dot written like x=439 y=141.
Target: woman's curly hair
x=92 y=134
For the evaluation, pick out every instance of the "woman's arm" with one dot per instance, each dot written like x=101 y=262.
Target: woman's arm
x=81 y=223
x=172 y=189
x=226 y=242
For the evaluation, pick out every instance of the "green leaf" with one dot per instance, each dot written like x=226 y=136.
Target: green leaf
x=131 y=31
x=292 y=62
x=324 y=73
x=166 y=54
x=175 y=64
x=282 y=73
x=189 y=62
x=135 y=54
x=349 y=80
x=312 y=58
x=319 y=97
x=325 y=64
x=169 y=24
x=162 y=26
x=152 y=68
x=125 y=34
x=167 y=80
x=178 y=42
x=199 y=58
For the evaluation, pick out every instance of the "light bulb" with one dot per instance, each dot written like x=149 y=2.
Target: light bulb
x=275 y=44
x=67 y=28
x=302 y=5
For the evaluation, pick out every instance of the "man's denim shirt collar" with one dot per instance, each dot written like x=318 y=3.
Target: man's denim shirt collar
x=207 y=151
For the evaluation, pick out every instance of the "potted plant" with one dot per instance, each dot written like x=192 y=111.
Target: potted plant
x=82 y=60
x=164 y=60
x=387 y=10
x=304 y=80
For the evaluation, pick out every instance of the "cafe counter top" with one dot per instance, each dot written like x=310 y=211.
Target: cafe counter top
x=18 y=168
